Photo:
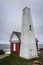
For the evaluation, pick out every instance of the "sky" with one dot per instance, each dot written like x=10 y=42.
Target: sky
x=11 y=17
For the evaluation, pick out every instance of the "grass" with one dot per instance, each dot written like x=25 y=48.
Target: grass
x=15 y=60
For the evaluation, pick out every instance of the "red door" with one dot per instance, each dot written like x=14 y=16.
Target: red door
x=15 y=48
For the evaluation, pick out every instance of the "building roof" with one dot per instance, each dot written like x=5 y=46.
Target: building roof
x=37 y=40
x=18 y=34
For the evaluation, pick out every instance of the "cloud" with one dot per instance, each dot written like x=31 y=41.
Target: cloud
x=11 y=17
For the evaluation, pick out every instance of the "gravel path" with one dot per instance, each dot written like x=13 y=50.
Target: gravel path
x=2 y=56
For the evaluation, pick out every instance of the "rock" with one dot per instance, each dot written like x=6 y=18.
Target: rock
x=36 y=62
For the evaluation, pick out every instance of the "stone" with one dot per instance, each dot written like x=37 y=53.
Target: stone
x=36 y=61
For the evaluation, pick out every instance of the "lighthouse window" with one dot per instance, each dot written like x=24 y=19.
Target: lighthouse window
x=30 y=27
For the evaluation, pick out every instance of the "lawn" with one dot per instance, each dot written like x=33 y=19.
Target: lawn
x=15 y=60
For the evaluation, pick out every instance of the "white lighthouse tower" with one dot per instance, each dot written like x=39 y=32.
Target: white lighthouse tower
x=28 y=44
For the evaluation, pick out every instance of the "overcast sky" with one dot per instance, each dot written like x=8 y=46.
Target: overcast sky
x=11 y=17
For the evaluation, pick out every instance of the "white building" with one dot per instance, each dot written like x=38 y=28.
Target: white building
x=26 y=47
x=28 y=43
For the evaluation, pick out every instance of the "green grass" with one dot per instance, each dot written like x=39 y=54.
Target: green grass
x=16 y=60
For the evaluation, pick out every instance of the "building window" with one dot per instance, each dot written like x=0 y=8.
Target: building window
x=30 y=27
x=14 y=47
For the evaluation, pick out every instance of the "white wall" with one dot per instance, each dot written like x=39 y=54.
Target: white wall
x=28 y=45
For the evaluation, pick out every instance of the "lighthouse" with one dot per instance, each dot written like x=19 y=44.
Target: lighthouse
x=28 y=48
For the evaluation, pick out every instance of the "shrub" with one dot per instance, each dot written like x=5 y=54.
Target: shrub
x=2 y=52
